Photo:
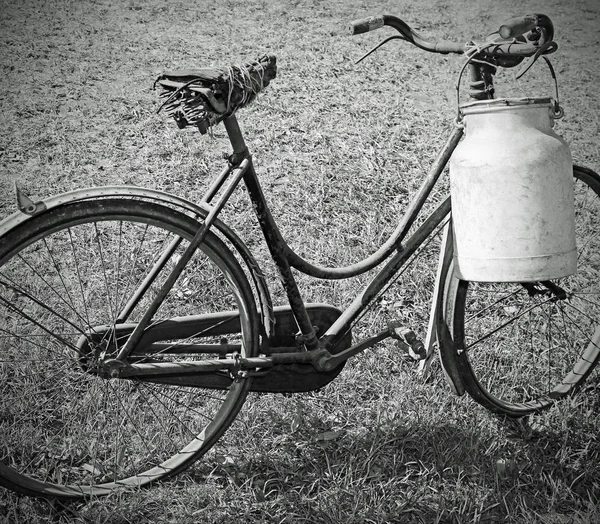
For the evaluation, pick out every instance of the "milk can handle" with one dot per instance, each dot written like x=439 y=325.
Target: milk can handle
x=558 y=110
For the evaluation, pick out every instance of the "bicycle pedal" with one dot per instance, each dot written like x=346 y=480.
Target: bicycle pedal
x=407 y=340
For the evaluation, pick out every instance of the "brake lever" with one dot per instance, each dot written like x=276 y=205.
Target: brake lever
x=545 y=49
x=395 y=37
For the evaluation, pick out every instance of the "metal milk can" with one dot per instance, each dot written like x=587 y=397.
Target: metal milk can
x=511 y=183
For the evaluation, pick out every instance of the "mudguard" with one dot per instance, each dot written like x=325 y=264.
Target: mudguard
x=29 y=209
x=438 y=328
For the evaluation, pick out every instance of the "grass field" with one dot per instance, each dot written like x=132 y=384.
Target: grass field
x=339 y=148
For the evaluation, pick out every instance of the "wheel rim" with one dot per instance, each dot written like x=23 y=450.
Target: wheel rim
x=66 y=432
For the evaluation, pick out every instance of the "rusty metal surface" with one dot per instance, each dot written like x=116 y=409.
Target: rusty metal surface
x=279 y=252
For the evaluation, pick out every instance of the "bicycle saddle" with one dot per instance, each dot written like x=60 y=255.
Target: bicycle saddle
x=204 y=97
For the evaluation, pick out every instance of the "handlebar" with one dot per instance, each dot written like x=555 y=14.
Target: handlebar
x=365 y=25
x=408 y=33
x=537 y=28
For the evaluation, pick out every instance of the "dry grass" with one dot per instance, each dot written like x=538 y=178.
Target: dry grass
x=339 y=148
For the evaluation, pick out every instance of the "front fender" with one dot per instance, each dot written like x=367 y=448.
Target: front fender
x=200 y=210
x=439 y=313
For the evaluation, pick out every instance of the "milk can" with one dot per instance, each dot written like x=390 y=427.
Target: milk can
x=511 y=183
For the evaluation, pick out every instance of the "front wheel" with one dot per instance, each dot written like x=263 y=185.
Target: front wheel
x=520 y=347
x=66 y=280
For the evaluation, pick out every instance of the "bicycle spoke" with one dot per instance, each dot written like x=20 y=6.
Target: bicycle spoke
x=60 y=276
x=177 y=402
x=118 y=271
x=487 y=308
x=576 y=324
x=27 y=317
x=23 y=338
x=179 y=419
x=103 y=266
x=37 y=302
x=18 y=289
x=79 y=279
x=501 y=326
x=60 y=437
x=136 y=430
x=129 y=279
x=581 y=296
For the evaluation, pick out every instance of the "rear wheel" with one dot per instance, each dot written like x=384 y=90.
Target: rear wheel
x=66 y=279
x=520 y=347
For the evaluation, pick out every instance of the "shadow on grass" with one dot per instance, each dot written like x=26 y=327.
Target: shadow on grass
x=396 y=471
x=447 y=461
x=400 y=471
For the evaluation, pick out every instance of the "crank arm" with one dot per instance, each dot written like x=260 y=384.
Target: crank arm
x=405 y=338
x=327 y=361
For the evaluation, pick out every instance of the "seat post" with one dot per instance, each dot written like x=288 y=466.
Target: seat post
x=240 y=151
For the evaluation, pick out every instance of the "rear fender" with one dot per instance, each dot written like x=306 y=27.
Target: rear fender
x=201 y=210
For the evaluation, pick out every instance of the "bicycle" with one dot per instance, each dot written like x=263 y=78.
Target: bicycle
x=122 y=303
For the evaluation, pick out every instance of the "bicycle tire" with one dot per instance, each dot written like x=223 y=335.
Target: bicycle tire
x=518 y=354
x=67 y=433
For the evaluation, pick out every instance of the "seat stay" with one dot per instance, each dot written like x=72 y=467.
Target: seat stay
x=194 y=243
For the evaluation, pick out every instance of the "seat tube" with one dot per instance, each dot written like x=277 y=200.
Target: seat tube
x=275 y=242
x=279 y=252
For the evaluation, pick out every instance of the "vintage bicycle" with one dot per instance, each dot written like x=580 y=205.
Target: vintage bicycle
x=134 y=323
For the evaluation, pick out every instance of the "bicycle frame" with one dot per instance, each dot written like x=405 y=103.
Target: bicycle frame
x=286 y=259
x=319 y=351
x=325 y=353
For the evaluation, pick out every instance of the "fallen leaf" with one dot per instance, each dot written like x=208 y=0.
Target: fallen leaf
x=329 y=435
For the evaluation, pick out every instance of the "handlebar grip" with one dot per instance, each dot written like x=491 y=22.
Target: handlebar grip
x=365 y=25
x=518 y=26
